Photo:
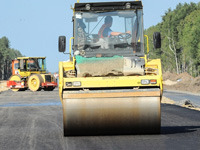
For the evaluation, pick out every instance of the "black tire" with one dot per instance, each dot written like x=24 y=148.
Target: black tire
x=157 y=40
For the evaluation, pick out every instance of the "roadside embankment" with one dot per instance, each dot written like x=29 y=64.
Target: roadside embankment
x=3 y=86
x=181 y=82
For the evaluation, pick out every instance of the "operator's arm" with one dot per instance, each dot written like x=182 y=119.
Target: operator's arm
x=108 y=32
x=117 y=33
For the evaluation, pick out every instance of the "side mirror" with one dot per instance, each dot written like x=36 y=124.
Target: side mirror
x=157 y=40
x=62 y=43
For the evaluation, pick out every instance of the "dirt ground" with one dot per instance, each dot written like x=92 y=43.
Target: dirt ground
x=181 y=82
x=3 y=86
x=166 y=100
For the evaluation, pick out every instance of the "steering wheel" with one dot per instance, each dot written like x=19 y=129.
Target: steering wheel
x=124 y=36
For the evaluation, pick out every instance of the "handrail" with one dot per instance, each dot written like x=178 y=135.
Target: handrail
x=147 y=43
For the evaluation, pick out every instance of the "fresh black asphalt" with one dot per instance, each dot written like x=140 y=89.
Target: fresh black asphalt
x=33 y=120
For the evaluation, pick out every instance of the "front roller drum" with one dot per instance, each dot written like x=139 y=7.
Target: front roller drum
x=15 y=78
x=125 y=115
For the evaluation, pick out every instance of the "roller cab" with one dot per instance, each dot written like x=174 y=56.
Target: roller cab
x=108 y=85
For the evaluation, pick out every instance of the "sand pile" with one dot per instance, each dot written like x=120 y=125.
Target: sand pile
x=184 y=77
x=169 y=76
x=181 y=82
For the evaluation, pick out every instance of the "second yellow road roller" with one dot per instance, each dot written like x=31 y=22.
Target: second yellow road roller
x=30 y=73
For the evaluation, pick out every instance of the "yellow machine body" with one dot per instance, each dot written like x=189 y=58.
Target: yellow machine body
x=111 y=81
x=111 y=104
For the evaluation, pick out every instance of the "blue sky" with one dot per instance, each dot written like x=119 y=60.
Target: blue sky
x=33 y=26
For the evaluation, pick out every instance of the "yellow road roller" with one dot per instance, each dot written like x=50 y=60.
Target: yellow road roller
x=109 y=85
x=30 y=72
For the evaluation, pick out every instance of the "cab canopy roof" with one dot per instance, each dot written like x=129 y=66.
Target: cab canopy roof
x=108 y=6
x=31 y=57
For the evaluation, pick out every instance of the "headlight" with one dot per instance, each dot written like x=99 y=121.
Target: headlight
x=145 y=82
x=76 y=83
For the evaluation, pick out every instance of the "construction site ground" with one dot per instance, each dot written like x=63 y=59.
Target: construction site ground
x=33 y=120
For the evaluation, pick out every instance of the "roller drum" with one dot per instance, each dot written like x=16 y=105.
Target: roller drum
x=124 y=115
x=15 y=78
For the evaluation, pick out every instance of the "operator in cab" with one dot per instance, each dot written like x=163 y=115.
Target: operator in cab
x=105 y=30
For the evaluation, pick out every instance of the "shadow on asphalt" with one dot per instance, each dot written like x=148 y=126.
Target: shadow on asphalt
x=178 y=129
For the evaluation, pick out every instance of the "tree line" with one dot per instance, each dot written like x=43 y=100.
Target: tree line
x=180 y=31
x=7 y=54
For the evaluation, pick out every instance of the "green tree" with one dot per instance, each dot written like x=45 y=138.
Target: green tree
x=180 y=39
x=189 y=34
x=6 y=56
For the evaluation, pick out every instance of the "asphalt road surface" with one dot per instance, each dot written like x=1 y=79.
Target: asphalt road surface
x=33 y=120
